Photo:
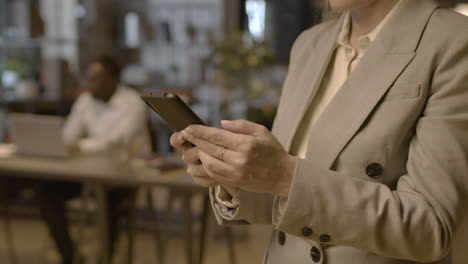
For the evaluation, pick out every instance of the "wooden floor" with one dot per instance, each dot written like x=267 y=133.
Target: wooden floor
x=34 y=246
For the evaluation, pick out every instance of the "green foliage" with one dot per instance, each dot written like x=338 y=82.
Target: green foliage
x=237 y=59
x=23 y=66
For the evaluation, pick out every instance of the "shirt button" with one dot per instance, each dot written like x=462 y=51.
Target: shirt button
x=281 y=238
x=325 y=238
x=306 y=231
x=374 y=170
x=315 y=254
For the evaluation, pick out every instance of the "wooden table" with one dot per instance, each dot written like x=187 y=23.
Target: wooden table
x=103 y=172
x=95 y=169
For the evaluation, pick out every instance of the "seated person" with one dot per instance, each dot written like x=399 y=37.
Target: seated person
x=105 y=116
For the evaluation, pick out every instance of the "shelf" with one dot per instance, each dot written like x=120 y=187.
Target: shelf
x=190 y=46
x=20 y=43
x=170 y=5
x=32 y=43
x=36 y=100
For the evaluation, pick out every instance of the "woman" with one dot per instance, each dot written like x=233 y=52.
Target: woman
x=367 y=160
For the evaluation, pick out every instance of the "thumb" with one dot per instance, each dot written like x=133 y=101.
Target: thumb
x=243 y=127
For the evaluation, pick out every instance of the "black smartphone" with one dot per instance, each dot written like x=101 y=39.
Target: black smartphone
x=172 y=109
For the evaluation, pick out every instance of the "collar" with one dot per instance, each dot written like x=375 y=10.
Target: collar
x=365 y=40
x=119 y=92
x=115 y=98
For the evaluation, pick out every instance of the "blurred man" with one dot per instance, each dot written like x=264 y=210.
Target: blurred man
x=106 y=117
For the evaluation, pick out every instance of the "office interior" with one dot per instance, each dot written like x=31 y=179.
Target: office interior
x=226 y=58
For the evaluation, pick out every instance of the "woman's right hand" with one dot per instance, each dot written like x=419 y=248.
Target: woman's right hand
x=190 y=157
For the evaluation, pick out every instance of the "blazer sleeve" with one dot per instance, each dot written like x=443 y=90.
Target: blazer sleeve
x=255 y=208
x=417 y=220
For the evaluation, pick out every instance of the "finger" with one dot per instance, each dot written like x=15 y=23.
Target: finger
x=208 y=147
x=220 y=179
x=229 y=156
x=177 y=140
x=215 y=168
x=205 y=181
x=190 y=156
x=214 y=135
x=243 y=127
x=187 y=145
x=200 y=176
x=196 y=171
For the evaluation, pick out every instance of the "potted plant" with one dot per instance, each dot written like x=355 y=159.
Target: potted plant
x=26 y=87
x=237 y=60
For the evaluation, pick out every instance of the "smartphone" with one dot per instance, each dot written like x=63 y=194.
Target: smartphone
x=175 y=112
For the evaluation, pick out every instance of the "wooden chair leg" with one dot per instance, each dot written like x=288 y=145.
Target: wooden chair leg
x=85 y=198
x=203 y=233
x=188 y=227
x=8 y=232
x=131 y=224
x=205 y=217
x=157 y=227
x=230 y=244
x=102 y=214
x=166 y=231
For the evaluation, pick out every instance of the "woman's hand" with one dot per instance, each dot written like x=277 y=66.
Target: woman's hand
x=190 y=157
x=244 y=155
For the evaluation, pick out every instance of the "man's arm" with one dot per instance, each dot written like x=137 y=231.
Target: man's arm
x=74 y=126
x=131 y=121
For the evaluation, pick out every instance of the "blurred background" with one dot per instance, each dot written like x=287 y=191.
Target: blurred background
x=227 y=58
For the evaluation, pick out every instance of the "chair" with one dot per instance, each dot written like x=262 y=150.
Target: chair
x=159 y=236
x=5 y=207
x=88 y=193
x=195 y=255
x=185 y=197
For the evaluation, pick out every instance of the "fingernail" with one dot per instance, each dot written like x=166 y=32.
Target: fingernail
x=224 y=122
x=180 y=137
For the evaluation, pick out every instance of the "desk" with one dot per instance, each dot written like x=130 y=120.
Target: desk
x=95 y=169
x=101 y=171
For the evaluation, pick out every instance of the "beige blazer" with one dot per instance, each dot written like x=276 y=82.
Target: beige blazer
x=385 y=179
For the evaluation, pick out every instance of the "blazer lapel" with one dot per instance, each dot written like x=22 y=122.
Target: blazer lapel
x=385 y=60
x=308 y=84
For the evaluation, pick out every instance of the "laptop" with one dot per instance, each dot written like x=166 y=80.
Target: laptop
x=38 y=135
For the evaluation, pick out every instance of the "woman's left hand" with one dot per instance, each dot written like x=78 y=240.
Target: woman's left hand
x=244 y=155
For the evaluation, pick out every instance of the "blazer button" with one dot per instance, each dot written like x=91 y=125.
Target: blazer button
x=281 y=238
x=325 y=238
x=306 y=231
x=374 y=170
x=315 y=254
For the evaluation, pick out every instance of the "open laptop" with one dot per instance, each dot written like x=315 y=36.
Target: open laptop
x=38 y=135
